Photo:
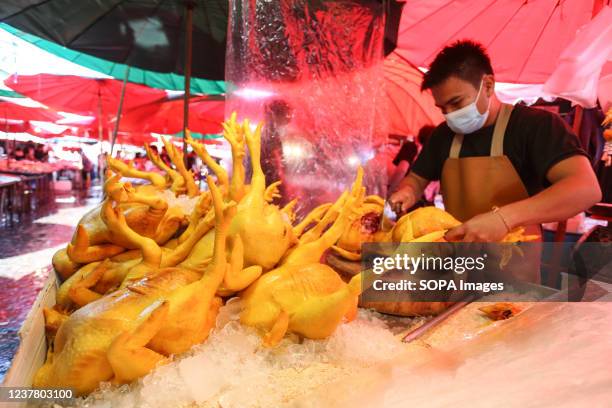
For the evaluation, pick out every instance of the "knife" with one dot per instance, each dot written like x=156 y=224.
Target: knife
x=388 y=211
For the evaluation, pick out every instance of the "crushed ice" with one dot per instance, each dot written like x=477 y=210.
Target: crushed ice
x=233 y=368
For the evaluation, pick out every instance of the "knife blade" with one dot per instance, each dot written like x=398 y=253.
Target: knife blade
x=388 y=211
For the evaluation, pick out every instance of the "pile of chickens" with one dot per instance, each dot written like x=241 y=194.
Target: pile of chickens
x=425 y=224
x=143 y=280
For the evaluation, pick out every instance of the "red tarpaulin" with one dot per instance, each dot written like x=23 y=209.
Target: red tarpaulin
x=524 y=38
x=135 y=139
x=12 y=111
x=17 y=127
x=408 y=109
x=166 y=116
x=85 y=96
x=90 y=130
x=90 y=125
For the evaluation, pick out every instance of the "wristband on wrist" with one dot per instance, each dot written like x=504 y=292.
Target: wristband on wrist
x=496 y=211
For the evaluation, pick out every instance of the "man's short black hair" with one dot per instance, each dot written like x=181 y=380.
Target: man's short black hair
x=465 y=59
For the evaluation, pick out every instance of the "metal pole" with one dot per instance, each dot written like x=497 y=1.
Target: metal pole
x=8 y=158
x=120 y=108
x=189 y=5
x=554 y=269
x=100 y=130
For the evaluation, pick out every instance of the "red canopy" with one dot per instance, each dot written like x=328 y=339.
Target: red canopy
x=12 y=111
x=408 y=109
x=523 y=38
x=17 y=127
x=166 y=116
x=135 y=138
x=85 y=96
x=91 y=130
x=90 y=125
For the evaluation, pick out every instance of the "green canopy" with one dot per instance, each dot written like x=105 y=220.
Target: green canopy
x=5 y=93
x=199 y=136
x=153 y=79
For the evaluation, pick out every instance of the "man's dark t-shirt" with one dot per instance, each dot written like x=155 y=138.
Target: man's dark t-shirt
x=407 y=152
x=535 y=140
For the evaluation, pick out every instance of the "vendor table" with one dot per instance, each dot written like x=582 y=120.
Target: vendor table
x=23 y=195
x=8 y=191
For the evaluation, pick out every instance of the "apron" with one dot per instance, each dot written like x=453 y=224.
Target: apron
x=473 y=185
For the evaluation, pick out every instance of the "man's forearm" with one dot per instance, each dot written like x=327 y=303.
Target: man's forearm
x=398 y=175
x=562 y=200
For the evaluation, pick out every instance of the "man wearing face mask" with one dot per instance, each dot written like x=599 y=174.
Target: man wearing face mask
x=500 y=166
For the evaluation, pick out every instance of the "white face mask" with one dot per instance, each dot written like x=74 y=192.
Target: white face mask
x=468 y=119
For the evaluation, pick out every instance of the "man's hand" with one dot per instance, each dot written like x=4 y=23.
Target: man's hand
x=487 y=227
x=409 y=191
x=402 y=200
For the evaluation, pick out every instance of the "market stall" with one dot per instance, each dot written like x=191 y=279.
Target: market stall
x=248 y=330
x=29 y=190
x=279 y=270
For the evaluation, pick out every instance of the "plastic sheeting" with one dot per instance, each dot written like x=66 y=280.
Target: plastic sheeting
x=587 y=58
x=523 y=38
x=312 y=70
x=605 y=92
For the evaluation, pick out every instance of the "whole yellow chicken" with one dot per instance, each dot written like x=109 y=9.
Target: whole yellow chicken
x=417 y=224
x=302 y=295
x=148 y=215
x=94 y=279
x=264 y=229
x=422 y=222
x=179 y=181
x=156 y=180
x=366 y=227
x=369 y=227
x=122 y=336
